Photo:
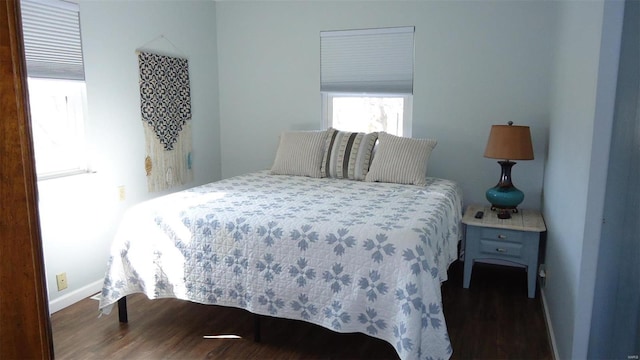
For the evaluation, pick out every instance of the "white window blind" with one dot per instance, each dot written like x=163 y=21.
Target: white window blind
x=367 y=61
x=52 y=42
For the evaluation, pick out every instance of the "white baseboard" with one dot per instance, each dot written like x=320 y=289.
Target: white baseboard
x=547 y=319
x=75 y=296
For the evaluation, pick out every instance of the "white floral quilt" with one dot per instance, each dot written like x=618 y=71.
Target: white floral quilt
x=351 y=256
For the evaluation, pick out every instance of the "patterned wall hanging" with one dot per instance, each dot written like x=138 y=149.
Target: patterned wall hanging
x=165 y=104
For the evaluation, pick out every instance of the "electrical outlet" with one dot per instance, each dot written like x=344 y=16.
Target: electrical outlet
x=122 y=195
x=61 y=279
x=543 y=273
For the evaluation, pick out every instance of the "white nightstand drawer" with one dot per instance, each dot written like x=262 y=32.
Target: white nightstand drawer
x=501 y=234
x=501 y=248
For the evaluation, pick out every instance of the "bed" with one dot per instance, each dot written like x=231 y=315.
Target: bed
x=351 y=256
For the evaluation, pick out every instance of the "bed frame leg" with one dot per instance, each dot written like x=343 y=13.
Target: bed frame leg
x=122 y=310
x=256 y=328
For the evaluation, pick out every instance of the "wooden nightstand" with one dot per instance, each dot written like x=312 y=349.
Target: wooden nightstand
x=512 y=242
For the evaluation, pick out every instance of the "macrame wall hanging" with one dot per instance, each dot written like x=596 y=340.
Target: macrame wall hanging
x=165 y=104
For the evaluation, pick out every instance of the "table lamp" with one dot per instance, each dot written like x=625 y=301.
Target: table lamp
x=507 y=142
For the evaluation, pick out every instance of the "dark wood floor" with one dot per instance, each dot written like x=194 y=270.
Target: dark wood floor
x=493 y=319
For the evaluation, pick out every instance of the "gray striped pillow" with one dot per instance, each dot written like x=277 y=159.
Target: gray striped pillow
x=300 y=153
x=401 y=160
x=347 y=154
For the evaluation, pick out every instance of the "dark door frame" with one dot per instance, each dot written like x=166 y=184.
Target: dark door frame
x=25 y=327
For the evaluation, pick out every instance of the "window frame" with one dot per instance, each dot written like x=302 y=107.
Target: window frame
x=407 y=116
x=53 y=51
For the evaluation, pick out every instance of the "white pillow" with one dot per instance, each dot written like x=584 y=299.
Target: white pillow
x=401 y=160
x=347 y=155
x=300 y=153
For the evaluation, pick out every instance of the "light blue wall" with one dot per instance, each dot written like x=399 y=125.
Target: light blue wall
x=615 y=325
x=476 y=64
x=575 y=175
x=80 y=214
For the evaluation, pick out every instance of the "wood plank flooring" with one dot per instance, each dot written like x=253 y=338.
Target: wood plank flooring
x=493 y=319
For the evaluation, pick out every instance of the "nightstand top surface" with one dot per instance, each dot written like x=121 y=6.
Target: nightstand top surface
x=523 y=220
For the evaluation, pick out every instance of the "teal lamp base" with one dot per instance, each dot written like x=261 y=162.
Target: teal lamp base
x=504 y=200
x=505 y=197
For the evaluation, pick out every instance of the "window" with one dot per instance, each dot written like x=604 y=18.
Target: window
x=57 y=95
x=376 y=112
x=57 y=113
x=367 y=79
